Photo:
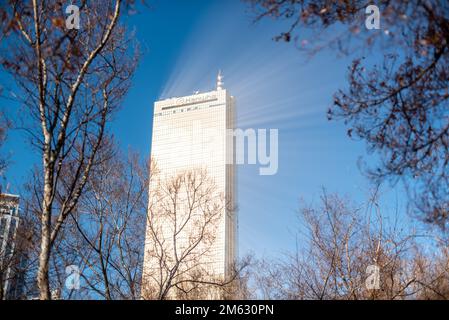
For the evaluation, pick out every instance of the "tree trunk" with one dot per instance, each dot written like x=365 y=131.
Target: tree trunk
x=44 y=255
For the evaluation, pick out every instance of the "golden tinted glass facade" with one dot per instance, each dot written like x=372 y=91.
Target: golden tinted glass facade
x=190 y=133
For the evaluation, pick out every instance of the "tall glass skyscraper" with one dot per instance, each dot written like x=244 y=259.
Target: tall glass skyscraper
x=191 y=132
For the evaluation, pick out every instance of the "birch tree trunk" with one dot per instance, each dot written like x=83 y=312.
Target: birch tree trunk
x=71 y=81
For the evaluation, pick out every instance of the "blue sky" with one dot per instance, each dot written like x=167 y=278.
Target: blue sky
x=185 y=43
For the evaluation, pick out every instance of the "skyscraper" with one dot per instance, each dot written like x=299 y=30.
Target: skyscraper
x=189 y=133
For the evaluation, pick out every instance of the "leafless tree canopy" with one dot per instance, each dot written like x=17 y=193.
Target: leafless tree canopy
x=4 y=125
x=70 y=82
x=399 y=107
x=108 y=229
x=183 y=216
x=22 y=262
x=338 y=242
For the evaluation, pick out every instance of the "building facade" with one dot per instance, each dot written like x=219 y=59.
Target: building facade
x=9 y=222
x=190 y=133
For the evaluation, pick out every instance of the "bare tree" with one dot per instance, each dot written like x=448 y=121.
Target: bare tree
x=400 y=107
x=109 y=228
x=340 y=243
x=183 y=216
x=432 y=274
x=71 y=82
x=62 y=254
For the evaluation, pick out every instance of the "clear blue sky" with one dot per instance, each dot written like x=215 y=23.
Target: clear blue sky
x=276 y=86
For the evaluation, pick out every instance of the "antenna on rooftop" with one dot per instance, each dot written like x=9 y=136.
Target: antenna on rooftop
x=220 y=81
